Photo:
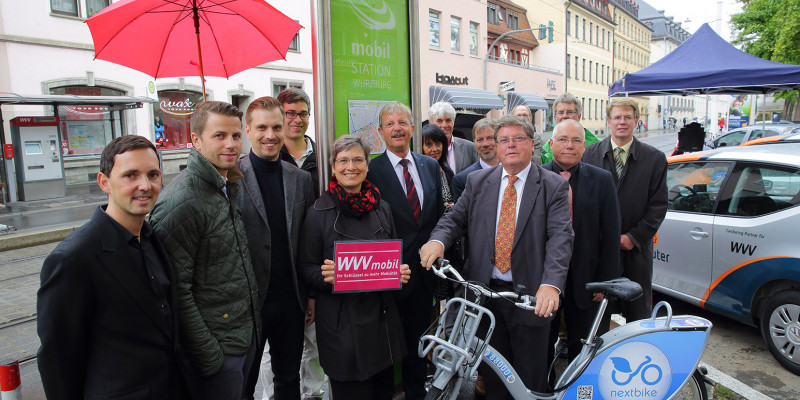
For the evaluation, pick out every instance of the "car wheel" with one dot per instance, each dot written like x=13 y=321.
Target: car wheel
x=780 y=327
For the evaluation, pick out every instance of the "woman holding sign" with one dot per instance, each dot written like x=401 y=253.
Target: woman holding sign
x=358 y=332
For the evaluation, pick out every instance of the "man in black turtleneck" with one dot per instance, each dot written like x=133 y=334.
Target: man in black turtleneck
x=273 y=200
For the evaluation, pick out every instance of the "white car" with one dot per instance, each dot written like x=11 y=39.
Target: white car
x=730 y=242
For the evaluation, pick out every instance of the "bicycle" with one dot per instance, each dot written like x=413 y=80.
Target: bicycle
x=666 y=350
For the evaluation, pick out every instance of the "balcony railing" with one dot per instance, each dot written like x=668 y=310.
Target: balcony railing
x=520 y=64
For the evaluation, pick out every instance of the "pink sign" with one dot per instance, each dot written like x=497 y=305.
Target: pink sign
x=364 y=266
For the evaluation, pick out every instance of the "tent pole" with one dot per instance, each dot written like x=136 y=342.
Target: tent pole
x=764 y=118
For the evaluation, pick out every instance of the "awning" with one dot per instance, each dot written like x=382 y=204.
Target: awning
x=531 y=101
x=464 y=98
x=114 y=102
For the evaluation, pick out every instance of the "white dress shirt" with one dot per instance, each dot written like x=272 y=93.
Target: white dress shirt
x=412 y=169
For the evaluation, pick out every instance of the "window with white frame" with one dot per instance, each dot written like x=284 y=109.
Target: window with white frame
x=295 y=45
x=433 y=27
x=473 y=38
x=455 y=34
x=73 y=7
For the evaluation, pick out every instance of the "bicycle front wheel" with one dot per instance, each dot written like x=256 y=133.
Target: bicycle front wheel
x=694 y=388
x=443 y=394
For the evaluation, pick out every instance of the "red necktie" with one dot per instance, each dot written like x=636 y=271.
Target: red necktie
x=411 y=192
x=505 y=227
x=567 y=175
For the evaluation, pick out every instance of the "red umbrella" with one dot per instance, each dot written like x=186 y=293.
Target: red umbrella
x=167 y=38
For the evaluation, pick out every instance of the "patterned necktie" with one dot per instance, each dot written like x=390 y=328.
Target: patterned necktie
x=505 y=227
x=411 y=192
x=618 y=161
x=567 y=175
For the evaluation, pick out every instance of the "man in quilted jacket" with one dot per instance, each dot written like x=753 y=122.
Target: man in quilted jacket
x=198 y=221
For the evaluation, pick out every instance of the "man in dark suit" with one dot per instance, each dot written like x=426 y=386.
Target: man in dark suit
x=524 y=112
x=517 y=216
x=106 y=307
x=412 y=186
x=595 y=220
x=483 y=135
x=640 y=173
x=273 y=200
x=461 y=152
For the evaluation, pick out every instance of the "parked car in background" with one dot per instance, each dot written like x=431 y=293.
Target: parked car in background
x=729 y=242
x=737 y=136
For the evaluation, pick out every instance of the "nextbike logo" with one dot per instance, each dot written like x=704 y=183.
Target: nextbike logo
x=635 y=370
x=371 y=16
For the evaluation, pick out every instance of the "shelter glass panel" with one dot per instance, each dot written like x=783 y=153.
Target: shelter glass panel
x=85 y=129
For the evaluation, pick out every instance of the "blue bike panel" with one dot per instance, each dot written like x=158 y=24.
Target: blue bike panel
x=651 y=366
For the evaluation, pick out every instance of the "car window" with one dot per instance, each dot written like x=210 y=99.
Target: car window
x=770 y=132
x=755 y=190
x=731 y=139
x=694 y=186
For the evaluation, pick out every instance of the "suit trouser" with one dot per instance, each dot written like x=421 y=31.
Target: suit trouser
x=378 y=387
x=415 y=313
x=282 y=325
x=227 y=383
x=312 y=377
x=638 y=267
x=523 y=345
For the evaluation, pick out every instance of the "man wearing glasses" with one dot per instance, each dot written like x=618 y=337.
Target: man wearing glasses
x=522 y=212
x=297 y=147
x=640 y=173
x=566 y=106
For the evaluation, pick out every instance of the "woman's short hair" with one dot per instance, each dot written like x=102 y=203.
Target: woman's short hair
x=436 y=134
x=348 y=142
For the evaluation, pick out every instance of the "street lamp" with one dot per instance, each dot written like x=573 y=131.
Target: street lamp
x=489 y=52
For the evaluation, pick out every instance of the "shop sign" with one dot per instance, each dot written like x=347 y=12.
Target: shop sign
x=508 y=86
x=451 y=80
x=179 y=108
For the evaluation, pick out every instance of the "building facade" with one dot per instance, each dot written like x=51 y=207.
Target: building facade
x=46 y=48
x=589 y=27
x=631 y=46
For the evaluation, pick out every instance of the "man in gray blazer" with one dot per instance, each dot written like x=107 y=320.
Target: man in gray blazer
x=517 y=217
x=461 y=153
x=273 y=199
x=524 y=112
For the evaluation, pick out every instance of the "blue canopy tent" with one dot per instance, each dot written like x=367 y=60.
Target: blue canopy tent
x=707 y=64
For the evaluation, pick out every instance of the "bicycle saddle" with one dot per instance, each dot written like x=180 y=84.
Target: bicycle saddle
x=620 y=288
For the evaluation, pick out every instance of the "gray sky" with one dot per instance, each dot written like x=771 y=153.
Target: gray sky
x=699 y=12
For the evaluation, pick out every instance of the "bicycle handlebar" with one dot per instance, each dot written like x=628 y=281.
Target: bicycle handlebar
x=442 y=268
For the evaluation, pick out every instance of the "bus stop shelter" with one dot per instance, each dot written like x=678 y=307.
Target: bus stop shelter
x=10 y=178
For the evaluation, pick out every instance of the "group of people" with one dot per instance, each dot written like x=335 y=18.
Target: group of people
x=237 y=254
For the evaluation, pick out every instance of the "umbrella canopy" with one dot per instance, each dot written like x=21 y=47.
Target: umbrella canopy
x=165 y=38
x=707 y=64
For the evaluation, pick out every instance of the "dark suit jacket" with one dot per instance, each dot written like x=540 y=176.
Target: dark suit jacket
x=102 y=332
x=381 y=174
x=543 y=235
x=460 y=180
x=642 y=189
x=298 y=194
x=466 y=154
x=595 y=252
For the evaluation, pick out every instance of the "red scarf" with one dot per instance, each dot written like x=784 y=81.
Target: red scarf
x=356 y=204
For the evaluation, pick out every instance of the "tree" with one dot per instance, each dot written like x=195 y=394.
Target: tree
x=770 y=29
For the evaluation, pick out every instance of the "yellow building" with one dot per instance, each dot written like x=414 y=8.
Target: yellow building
x=631 y=45
x=588 y=27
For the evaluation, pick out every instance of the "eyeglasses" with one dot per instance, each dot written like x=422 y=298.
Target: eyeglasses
x=563 y=113
x=563 y=140
x=343 y=162
x=392 y=124
x=517 y=139
x=292 y=115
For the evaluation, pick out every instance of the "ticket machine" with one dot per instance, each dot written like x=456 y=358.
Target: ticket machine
x=38 y=163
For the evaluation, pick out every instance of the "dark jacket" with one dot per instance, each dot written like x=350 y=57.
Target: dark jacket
x=642 y=189
x=101 y=325
x=309 y=165
x=358 y=334
x=595 y=251
x=202 y=230
x=298 y=196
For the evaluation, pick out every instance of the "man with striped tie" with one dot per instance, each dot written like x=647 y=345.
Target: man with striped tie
x=640 y=173
x=411 y=184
